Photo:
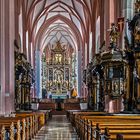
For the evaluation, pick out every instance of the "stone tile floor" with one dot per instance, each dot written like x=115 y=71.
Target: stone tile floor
x=58 y=128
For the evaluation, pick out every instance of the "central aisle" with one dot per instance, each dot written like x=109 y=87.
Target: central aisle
x=58 y=128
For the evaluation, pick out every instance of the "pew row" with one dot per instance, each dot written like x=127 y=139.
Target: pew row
x=17 y=131
x=115 y=125
x=7 y=131
x=72 y=114
x=124 y=126
x=2 y=132
x=34 y=121
x=23 y=125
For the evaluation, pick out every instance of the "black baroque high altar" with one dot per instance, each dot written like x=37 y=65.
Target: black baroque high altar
x=24 y=78
x=134 y=62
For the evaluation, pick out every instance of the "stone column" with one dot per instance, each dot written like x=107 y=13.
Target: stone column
x=79 y=74
x=128 y=12
x=2 y=57
x=106 y=23
x=7 y=36
x=38 y=74
x=9 y=55
x=102 y=9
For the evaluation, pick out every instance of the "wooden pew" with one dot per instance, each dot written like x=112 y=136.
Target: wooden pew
x=113 y=129
x=45 y=106
x=17 y=126
x=2 y=132
x=48 y=114
x=30 y=123
x=9 y=130
x=70 y=106
x=110 y=133
x=107 y=119
x=74 y=114
x=35 y=121
x=117 y=127
x=25 y=127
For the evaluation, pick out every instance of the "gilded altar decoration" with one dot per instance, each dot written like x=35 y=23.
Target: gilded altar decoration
x=114 y=34
x=137 y=32
x=137 y=6
x=58 y=67
x=134 y=26
x=132 y=99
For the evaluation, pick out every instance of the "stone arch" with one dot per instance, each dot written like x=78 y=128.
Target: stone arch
x=50 y=21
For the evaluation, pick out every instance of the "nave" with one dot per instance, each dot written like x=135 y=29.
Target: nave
x=58 y=128
x=62 y=55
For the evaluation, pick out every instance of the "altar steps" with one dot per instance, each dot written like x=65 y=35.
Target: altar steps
x=56 y=112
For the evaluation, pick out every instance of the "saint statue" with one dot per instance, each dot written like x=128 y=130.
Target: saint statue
x=137 y=34
x=137 y=6
x=114 y=34
x=58 y=58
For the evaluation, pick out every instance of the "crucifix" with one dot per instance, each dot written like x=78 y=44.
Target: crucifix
x=120 y=24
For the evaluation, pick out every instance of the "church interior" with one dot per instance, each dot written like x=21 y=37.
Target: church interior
x=69 y=69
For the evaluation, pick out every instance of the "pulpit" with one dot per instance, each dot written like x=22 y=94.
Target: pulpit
x=114 y=73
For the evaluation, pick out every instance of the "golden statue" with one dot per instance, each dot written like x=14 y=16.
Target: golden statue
x=137 y=34
x=58 y=58
x=137 y=6
x=114 y=34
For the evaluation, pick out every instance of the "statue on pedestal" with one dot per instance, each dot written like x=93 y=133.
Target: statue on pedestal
x=114 y=34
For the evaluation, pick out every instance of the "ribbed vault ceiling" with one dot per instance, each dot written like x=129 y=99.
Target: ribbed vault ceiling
x=51 y=20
